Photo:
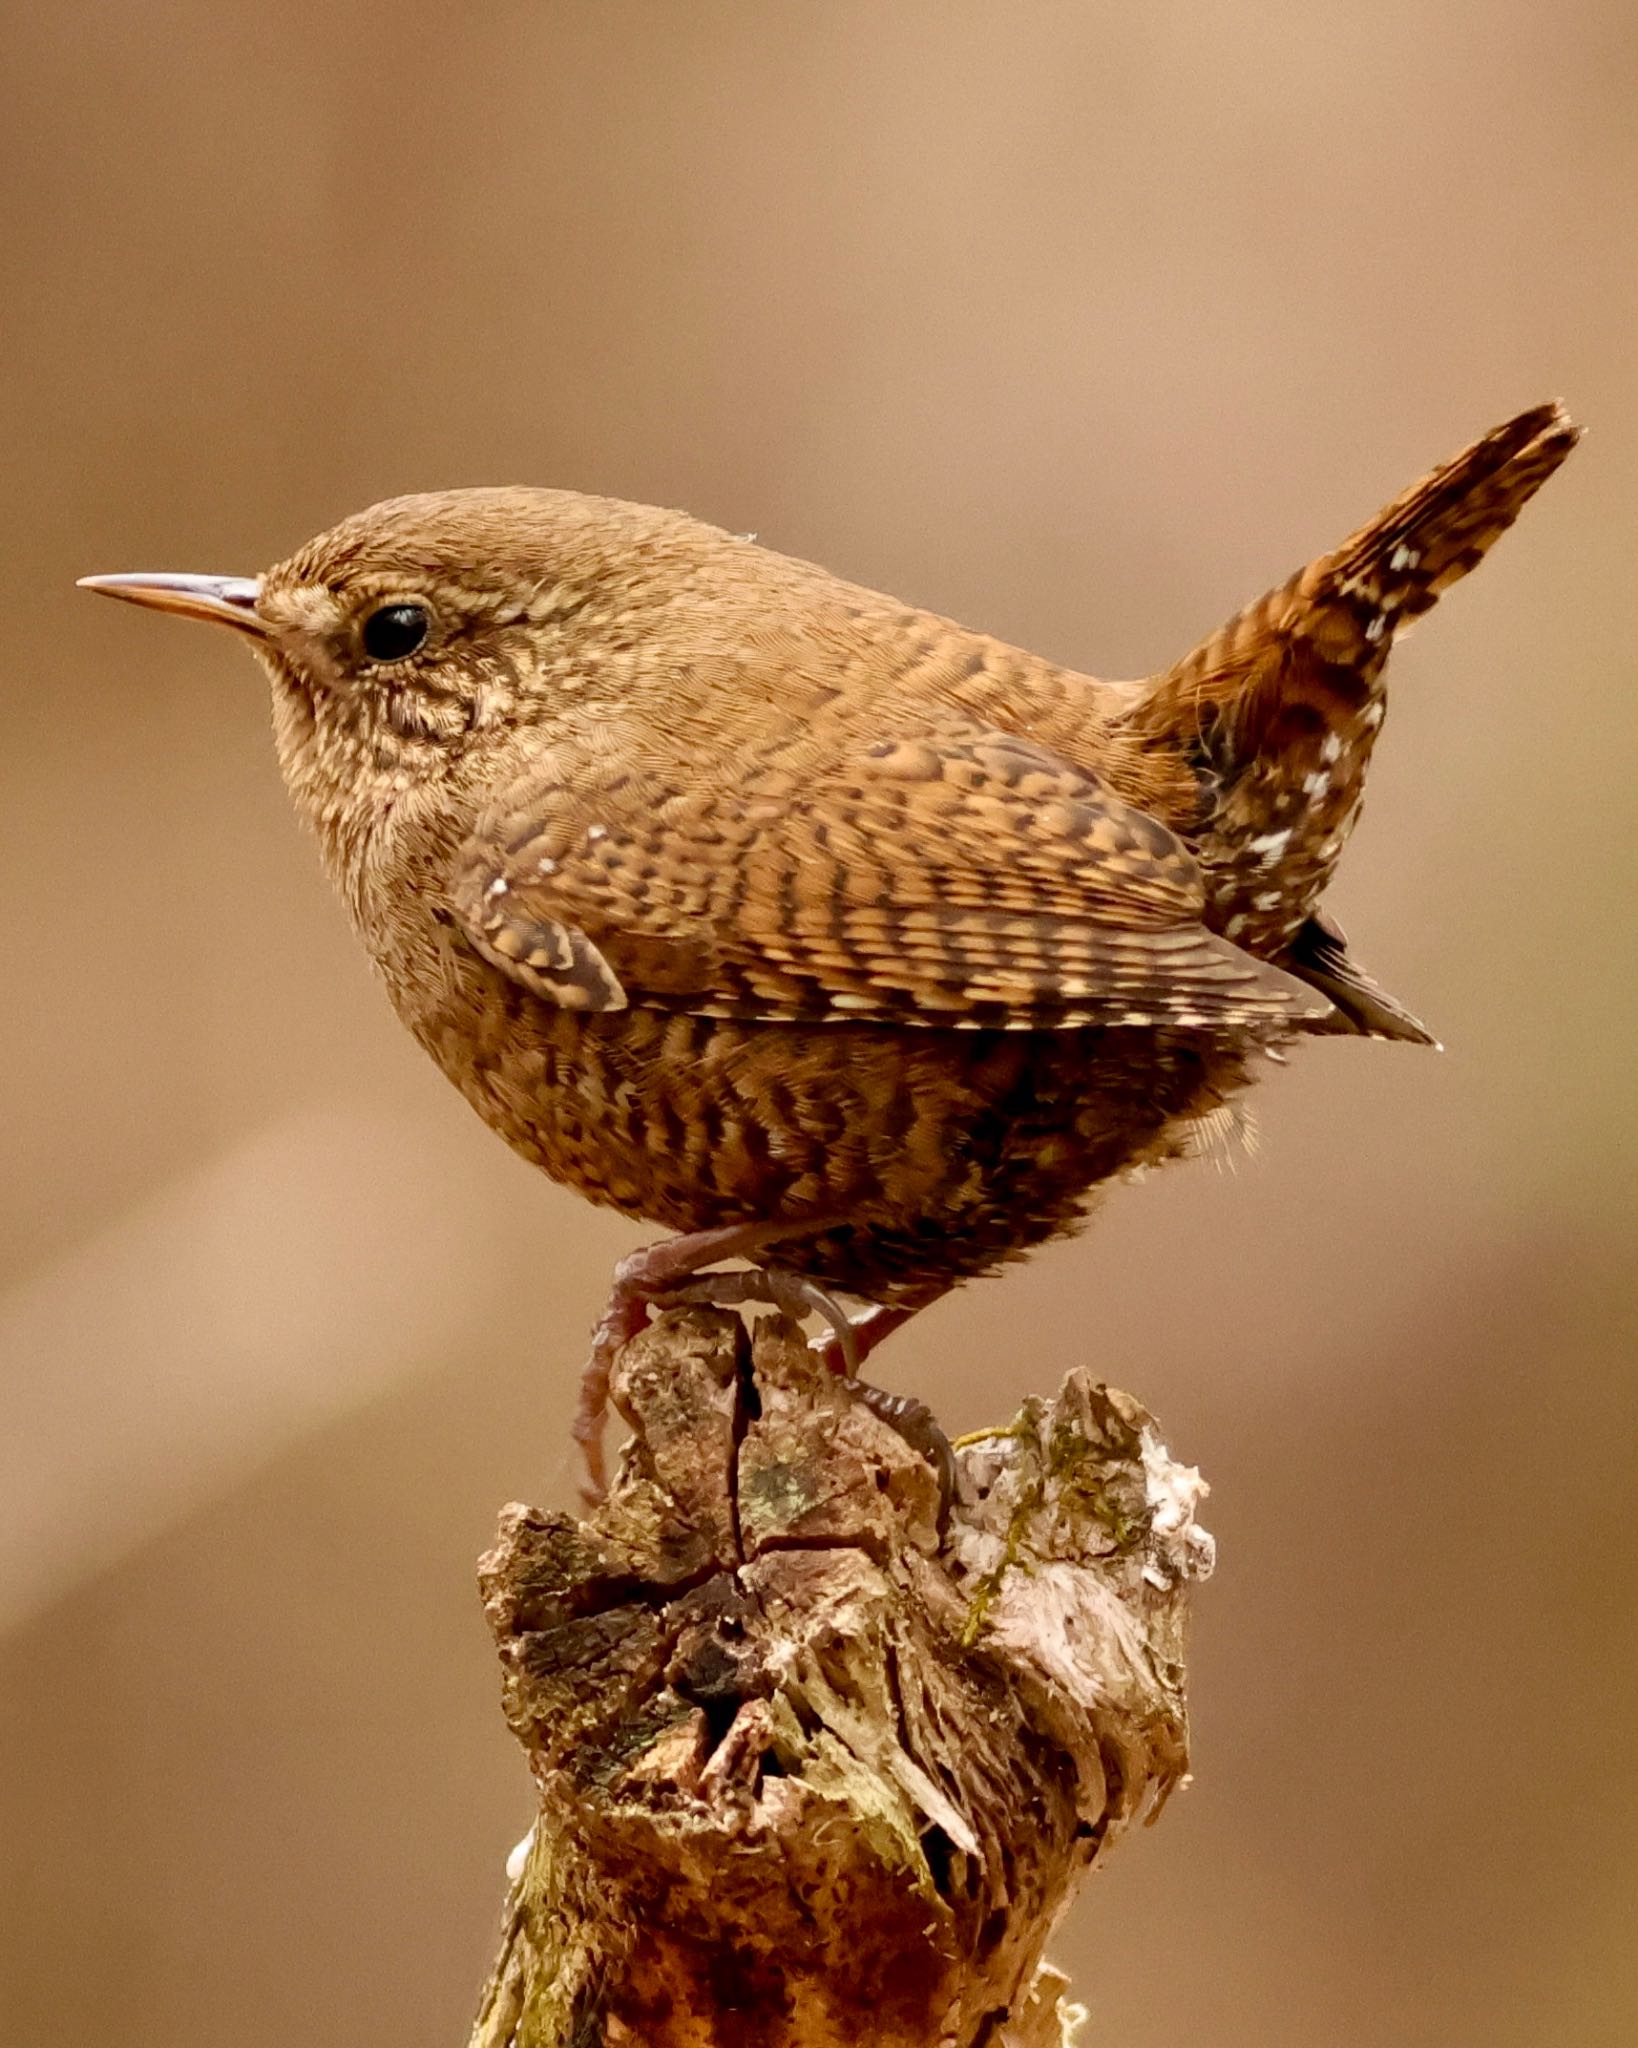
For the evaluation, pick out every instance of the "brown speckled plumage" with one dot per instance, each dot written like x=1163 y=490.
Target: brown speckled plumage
x=728 y=892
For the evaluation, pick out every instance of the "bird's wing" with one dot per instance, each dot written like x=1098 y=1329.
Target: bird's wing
x=973 y=881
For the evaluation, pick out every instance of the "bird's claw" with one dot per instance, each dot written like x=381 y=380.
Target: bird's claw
x=797 y=1295
x=778 y=1287
x=915 y=1422
x=668 y=1275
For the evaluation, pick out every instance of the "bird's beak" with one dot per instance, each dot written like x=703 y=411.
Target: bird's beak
x=228 y=600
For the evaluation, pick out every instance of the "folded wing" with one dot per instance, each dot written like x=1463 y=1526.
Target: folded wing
x=975 y=881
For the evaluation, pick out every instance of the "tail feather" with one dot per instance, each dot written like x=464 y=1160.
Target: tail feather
x=1319 y=955
x=1343 y=609
x=1351 y=601
x=1278 y=710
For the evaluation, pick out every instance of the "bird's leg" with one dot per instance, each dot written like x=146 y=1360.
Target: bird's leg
x=667 y=1272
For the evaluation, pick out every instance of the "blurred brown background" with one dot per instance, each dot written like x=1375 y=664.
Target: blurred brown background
x=1082 y=323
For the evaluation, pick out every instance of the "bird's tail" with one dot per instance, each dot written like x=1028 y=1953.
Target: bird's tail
x=1280 y=707
x=1344 y=608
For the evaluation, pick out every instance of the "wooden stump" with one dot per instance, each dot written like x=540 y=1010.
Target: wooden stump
x=809 y=1773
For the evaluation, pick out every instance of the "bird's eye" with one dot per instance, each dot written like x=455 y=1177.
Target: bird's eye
x=395 y=630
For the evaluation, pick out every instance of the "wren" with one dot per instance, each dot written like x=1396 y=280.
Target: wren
x=836 y=938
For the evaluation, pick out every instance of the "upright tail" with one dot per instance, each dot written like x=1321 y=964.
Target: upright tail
x=1279 y=708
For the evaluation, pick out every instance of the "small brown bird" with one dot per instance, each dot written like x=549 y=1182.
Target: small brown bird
x=836 y=938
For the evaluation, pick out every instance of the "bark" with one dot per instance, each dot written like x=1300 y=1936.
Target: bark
x=811 y=1773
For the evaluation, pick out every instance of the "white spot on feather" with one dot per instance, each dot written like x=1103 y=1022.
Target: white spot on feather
x=1271 y=845
x=1332 y=749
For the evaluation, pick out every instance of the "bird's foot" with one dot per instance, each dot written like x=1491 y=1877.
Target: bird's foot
x=665 y=1275
x=842 y=1350
x=626 y=1314
x=670 y=1275
x=798 y=1296
x=777 y=1286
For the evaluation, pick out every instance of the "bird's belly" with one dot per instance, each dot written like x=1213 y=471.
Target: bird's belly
x=928 y=1156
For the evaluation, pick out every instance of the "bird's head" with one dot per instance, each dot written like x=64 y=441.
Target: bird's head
x=404 y=641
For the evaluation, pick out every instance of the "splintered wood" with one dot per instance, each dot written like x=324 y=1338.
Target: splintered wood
x=810 y=1772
